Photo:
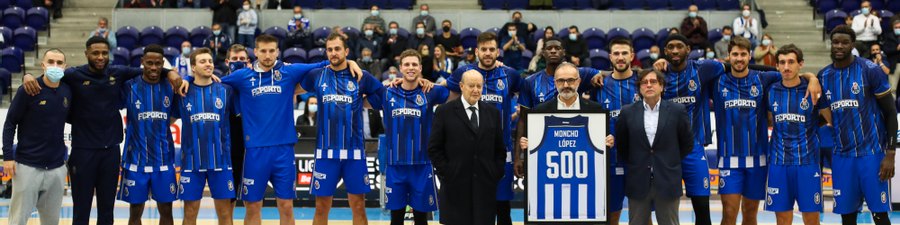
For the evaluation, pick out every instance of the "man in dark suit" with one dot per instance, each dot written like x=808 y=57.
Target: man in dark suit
x=467 y=151
x=652 y=137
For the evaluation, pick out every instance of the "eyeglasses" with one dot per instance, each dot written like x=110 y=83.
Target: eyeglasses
x=567 y=81
x=650 y=82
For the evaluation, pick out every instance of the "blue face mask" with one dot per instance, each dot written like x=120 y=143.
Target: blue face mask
x=864 y=11
x=393 y=31
x=186 y=51
x=692 y=14
x=573 y=37
x=217 y=32
x=235 y=66
x=313 y=108
x=54 y=74
x=710 y=55
x=897 y=32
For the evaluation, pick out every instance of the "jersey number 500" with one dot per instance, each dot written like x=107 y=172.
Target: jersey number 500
x=569 y=164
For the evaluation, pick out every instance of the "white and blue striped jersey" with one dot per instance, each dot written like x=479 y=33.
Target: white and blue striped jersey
x=795 y=118
x=851 y=94
x=148 y=141
x=205 y=130
x=741 y=119
x=407 y=123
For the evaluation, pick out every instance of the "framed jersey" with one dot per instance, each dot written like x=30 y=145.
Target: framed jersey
x=566 y=168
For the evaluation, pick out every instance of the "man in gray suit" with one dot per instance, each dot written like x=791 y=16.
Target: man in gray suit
x=652 y=137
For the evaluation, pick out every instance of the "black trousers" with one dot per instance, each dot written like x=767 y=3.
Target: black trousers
x=237 y=152
x=93 y=171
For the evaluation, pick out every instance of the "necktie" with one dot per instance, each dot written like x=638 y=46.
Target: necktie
x=474 y=118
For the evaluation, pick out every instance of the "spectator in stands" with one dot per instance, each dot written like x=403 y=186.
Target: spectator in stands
x=375 y=19
x=247 y=21
x=867 y=26
x=368 y=62
x=537 y=63
x=745 y=25
x=674 y=30
x=219 y=43
x=877 y=56
x=298 y=15
x=182 y=63
x=136 y=4
x=420 y=38
x=190 y=3
x=694 y=28
x=427 y=62
x=891 y=49
x=52 y=6
x=395 y=43
x=654 y=55
x=576 y=48
x=449 y=40
x=225 y=14
x=468 y=58
x=523 y=30
x=103 y=31
x=443 y=65
x=278 y=4
x=370 y=39
x=390 y=74
x=722 y=45
x=424 y=18
x=512 y=47
x=301 y=37
x=764 y=54
x=161 y=3
x=309 y=115
x=710 y=54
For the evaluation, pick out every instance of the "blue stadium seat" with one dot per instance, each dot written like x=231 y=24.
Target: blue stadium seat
x=705 y=4
x=854 y=13
x=834 y=18
x=893 y=6
x=594 y=37
x=277 y=31
x=197 y=36
x=5 y=81
x=24 y=4
x=402 y=4
x=12 y=59
x=729 y=4
x=493 y=4
x=322 y=33
x=643 y=54
x=251 y=55
x=696 y=54
x=886 y=20
x=657 y=4
x=402 y=32
x=517 y=4
x=136 y=56
x=37 y=18
x=877 y=4
x=151 y=35
x=330 y=4
x=537 y=35
x=600 y=59
x=661 y=36
x=526 y=57
x=383 y=4
x=355 y=4
x=679 y=4
x=630 y=4
x=174 y=36
x=5 y=4
x=316 y=55
x=311 y=4
x=583 y=4
x=850 y=5
x=294 y=55
x=468 y=37
x=617 y=32
x=121 y=56
x=13 y=17
x=643 y=38
x=564 y=4
x=351 y=31
x=25 y=38
x=7 y=37
x=171 y=53
x=495 y=30
x=714 y=35
x=128 y=37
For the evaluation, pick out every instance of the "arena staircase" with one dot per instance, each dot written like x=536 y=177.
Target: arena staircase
x=791 y=21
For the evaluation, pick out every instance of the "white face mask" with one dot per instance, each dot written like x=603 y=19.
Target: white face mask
x=746 y=13
x=313 y=108
x=246 y=7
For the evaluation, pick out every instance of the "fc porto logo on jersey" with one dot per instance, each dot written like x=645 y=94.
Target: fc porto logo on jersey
x=166 y=101
x=430 y=199
x=721 y=182
x=692 y=85
x=351 y=86
x=277 y=75
x=855 y=88
x=316 y=184
x=245 y=189
x=172 y=188
x=419 y=100
x=754 y=91
x=219 y=103
x=804 y=105
x=500 y=85
x=706 y=183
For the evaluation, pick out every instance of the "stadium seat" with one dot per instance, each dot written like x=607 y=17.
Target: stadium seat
x=583 y=4
x=630 y=4
x=714 y=35
x=355 y=4
x=321 y=33
x=679 y=4
x=5 y=4
x=25 y=38
x=854 y=13
x=136 y=56
x=661 y=36
x=402 y=32
x=657 y=4
x=121 y=56
x=493 y=4
x=696 y=54
x=251 y=55
x=834 y=18
x=886 y=20
x=277 y=31
x=383 y=4
x=294 y=55
x=893 y=6
x=468 y=37
x=643 y=38
x=564 y=4
x=5 y=81
x=128 y=37
x=12 y=59
x=517 y=4
x=198 y=35
x=495 y=30
x=316 y=55
x=331 y=4
x=7 y=37
x=311 y=4
x=401 y=4
x=13 y=17
x=171 y=53
x=175 y=36
x=705 y=4
x=643 y=54
x=351 y=31
x=594 y=37
x=24 y=4
x=151 y=35
x=537 y=35
x=600 y=59
x=823 y=6
x=877 y=4
x=850 y=5
x=617 y=32
x=729 y=4
x=37 y=18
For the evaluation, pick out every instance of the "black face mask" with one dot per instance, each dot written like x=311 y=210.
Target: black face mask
x=446 y=29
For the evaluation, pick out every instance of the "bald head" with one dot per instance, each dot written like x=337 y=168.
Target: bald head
x=471 y=85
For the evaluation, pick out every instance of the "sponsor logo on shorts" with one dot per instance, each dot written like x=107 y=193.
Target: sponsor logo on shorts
x=126 y=191
x=883 y=197
x=837 y=192
x=388 y=190
x=319 y=176
x=366 y=180
x=817 y=198
x=386 y=199
x=129 y=183
x=172 y=188
x=181 y=189
x=248 y=181
x=772 y=191
x=230 y=185
x=245 y=189
x=185 y=180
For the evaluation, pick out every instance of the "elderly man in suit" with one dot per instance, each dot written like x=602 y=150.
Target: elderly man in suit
x=652 y=137
x=467 y=151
